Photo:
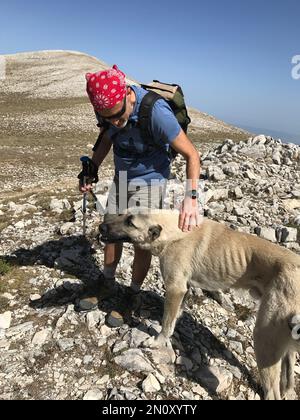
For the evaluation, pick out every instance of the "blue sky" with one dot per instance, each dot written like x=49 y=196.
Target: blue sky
x=233 y=58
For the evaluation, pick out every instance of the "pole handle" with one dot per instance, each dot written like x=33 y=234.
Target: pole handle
x=85 y=165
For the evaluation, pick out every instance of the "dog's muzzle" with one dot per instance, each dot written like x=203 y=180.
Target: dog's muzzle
x=107 y=237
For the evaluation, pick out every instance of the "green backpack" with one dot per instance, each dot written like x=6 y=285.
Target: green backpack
x=173 y=95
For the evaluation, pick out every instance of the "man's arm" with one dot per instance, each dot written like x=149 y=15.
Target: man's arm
x=102 y=150
x=189 y=215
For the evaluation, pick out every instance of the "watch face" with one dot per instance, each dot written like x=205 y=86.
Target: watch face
x=192 y=194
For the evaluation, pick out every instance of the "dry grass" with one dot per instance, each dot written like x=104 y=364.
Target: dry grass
x=215 y=137
x=16 y=104
x=242 y=312
x=17 y=278
x=4 y=222
x=4 y=268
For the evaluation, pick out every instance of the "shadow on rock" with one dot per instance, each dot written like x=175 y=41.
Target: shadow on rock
x=199 y=345
x=73 y=256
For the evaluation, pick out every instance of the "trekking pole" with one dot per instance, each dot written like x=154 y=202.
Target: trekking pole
x=97 y=203
x=85 y=172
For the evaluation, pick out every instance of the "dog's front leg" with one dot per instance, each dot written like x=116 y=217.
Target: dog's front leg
x=174 y=296
x=172 y=308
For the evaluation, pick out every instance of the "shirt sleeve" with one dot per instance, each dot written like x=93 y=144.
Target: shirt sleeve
x=165 y=127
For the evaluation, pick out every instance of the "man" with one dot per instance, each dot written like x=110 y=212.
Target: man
x=138 y=165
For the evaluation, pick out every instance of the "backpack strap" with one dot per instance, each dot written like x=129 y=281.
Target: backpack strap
x=145 y=116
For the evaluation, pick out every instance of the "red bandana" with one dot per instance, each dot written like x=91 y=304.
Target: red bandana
x=106 y=88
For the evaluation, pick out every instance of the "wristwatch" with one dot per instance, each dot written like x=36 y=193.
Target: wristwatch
x=192 y=194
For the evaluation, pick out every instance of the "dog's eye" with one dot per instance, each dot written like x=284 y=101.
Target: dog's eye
x=129 y=222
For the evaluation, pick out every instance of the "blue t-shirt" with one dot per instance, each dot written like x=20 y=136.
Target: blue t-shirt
x=132 y=155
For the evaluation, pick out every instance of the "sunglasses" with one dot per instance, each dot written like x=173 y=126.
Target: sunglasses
x=118 y=114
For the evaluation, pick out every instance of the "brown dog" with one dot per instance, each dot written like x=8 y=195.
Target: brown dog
x=214 y=257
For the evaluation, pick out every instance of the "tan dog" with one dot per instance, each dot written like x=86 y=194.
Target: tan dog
x=214 y=257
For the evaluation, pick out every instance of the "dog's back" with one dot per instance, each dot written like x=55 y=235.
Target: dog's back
x=223 y=257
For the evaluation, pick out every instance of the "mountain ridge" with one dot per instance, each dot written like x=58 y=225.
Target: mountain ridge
x=45 y=75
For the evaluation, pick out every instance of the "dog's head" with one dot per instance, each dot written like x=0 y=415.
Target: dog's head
x=138 y=228
x=144 y=229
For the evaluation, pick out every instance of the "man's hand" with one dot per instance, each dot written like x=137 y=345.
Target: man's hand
x=87 y=176
x=88 y=184
x=85 y=188
x=189 y=214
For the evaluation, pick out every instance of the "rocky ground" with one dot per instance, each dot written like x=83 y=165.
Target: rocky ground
x=49 y=350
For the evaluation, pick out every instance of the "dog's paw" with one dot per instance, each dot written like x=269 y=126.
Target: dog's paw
x=157 y=342
x=290 y=395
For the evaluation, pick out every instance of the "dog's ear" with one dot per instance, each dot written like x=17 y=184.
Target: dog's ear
x=154 y=231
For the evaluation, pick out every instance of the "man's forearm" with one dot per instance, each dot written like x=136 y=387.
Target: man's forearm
x=102 y=150
x=192 y=172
